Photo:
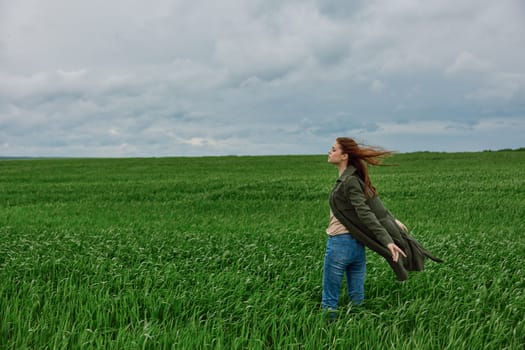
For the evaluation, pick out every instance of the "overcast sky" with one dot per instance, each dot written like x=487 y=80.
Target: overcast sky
x=127 y=78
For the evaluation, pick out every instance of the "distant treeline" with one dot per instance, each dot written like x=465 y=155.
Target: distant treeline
x=521 y=149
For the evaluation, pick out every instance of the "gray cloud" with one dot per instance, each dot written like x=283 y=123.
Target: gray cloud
x=258 y=77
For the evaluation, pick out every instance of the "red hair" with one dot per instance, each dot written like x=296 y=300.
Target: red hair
x=360 y=157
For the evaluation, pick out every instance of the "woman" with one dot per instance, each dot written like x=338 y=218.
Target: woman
x=358 y=219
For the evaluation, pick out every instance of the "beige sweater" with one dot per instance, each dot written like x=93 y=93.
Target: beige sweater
x=335 y=227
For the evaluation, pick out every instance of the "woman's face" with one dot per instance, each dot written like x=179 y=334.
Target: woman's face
x=336 y=155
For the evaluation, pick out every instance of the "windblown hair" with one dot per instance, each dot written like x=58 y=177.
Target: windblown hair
x=362 y=156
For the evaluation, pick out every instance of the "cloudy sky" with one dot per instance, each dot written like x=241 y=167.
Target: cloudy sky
x=127 y=78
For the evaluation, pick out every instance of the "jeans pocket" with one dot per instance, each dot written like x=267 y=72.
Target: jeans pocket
x=338 y=249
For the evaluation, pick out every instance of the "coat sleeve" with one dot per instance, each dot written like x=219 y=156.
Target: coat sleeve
x=357 y=198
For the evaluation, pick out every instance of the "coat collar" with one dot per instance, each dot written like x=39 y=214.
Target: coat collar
x=349 y=171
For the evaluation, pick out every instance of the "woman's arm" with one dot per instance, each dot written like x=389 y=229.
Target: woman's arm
x=355 y=195
x=369 y=219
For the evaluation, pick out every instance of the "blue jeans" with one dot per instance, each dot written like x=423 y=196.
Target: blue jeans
x=343 y=255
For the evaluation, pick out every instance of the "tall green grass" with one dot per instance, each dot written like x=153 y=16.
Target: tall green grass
x=226 y=253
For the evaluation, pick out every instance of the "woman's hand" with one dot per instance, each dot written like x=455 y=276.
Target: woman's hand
x=395 y=251
x=401 y=225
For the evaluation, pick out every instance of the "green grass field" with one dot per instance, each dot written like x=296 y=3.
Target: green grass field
x=227 y=253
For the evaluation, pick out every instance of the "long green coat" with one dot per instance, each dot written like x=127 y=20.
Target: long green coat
x=369 y=222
